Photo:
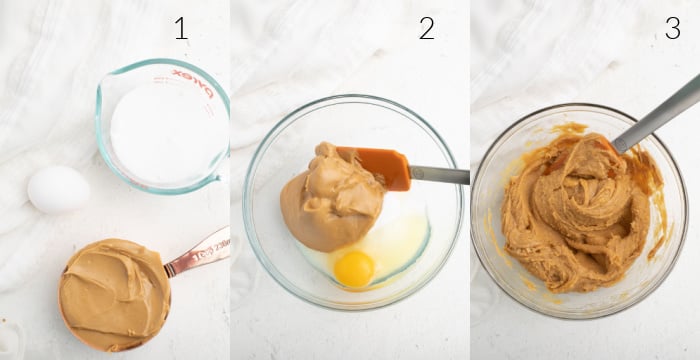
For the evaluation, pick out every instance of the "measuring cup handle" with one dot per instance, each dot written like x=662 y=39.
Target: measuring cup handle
x=214 y=247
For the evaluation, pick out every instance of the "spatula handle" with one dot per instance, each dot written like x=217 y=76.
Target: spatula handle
x=452 y=176
x=681 y=100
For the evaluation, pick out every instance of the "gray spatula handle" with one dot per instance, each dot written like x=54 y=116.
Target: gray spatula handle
x=452 y=176
x=684 y=98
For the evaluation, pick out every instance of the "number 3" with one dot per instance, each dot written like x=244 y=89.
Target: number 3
x=678 y=31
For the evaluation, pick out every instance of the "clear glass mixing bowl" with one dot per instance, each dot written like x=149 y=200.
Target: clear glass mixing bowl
x=502 y=161
x=349 y=120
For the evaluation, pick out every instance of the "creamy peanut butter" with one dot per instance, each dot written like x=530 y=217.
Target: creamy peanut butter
x=332 y=204
x=114 y=295
x=578 y=215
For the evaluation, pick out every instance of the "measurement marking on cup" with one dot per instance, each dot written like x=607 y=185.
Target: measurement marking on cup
x=188 y=76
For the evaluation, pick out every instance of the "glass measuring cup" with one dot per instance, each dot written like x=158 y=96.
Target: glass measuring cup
x=162 y=125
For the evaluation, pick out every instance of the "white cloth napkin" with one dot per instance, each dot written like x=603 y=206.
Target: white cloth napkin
x=528 y=54
x=53 y=54
x=289 y=52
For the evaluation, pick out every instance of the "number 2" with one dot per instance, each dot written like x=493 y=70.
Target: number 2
x=678 y=31
x=182 y=28
x=429 y=27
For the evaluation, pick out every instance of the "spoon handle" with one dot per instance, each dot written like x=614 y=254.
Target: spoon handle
x=452 y=176
x=213 y=248
x=684 y=98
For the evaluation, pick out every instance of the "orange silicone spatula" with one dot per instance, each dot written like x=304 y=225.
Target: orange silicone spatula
x=397 y=173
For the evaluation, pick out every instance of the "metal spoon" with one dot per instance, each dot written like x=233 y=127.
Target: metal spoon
x=680 y=101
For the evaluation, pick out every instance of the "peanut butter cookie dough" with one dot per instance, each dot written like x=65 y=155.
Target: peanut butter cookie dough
x=114 y=295
x=578 y=215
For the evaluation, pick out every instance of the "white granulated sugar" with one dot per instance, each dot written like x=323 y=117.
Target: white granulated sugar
x=166 y=135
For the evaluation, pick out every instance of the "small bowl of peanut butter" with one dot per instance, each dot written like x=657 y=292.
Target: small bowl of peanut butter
x=114 y=294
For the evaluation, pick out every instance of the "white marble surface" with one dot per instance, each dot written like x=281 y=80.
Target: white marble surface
x=665 y=325
x=430 y=77
x=198 y=323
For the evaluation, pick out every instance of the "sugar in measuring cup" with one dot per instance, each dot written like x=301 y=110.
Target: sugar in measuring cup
x=162 y=125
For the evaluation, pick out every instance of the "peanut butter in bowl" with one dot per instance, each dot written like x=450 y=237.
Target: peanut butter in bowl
x=348 y=226
x=114 y=295
x=332 y=204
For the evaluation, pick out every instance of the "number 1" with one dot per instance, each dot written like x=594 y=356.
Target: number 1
x=182 y=28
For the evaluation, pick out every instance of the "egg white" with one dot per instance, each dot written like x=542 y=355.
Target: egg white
x=394 y=243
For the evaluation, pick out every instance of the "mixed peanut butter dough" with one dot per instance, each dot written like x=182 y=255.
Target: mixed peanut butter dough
x=578 y=215
x=332 y=204
x=114 y=295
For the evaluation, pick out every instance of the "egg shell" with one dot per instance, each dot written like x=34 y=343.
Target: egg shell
x=58 y=189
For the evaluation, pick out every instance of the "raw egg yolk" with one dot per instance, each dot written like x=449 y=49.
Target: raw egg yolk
x=354 y=269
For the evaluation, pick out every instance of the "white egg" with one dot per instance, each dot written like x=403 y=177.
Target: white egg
x=394 y=243
x=58 y=189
